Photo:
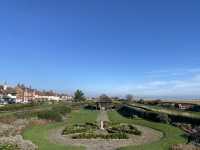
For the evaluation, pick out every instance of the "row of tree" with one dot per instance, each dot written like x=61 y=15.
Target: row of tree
x=79 y=96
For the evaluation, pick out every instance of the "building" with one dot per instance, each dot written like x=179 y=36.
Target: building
x=1 y=91
x=184 y=106
x=65 y=97
x=104 y=102
x=24 y=94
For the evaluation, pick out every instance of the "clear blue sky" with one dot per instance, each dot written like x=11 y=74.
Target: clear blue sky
x=102 y=46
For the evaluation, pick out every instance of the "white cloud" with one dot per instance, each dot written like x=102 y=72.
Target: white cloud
x=187 y=87
x=181 y=83
x=182 y=87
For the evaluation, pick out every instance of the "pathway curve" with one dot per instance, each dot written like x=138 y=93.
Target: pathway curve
x=148 y=135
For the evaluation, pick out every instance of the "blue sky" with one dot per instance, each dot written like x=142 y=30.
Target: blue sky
x=146 y=48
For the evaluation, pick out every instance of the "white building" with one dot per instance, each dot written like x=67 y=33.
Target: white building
x=53 y=98
x=66 y=98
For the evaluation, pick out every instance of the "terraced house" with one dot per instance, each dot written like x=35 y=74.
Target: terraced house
x=24 y=94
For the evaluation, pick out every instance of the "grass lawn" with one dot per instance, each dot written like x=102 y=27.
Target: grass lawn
x=83 y=116
x=39 y=134
x=172 y=135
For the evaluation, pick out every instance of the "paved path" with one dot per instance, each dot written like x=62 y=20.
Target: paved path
x=148 y=135
x=103 y=116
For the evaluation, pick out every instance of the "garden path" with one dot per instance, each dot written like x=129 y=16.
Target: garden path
x=103 y=116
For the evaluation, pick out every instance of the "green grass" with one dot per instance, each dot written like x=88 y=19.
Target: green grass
x=83 y=116
x=39 y=134
x=172 y=135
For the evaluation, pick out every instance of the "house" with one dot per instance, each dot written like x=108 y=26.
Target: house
x=1 y=91
x=65 y=97
x=24 y=94
x=47 y=95
x=184 y=106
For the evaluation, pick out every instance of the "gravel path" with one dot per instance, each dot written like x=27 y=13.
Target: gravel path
x=148 y=135
x=103 y=116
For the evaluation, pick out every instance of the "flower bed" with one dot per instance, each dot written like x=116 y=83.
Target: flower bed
x=87 y=131
x=124 y=128
x=17 y=142
x=100 y=136
x=8 y=147
x=80 y=128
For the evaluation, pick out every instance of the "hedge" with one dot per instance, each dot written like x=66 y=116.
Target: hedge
x=10 y=107
x=149 y=115
x=100 y=136
x=129 y=111
x=50 y=115
x=62 y=109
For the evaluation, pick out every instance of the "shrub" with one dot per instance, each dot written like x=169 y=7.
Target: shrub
x=18 y=143
x=101 y=136
x=90 y=107
x=71 y=130
x=50 y=115
x=195 y=108
x=117 y=136
x=10 y=107
x=163 y=118
x=124 y=128
x=62 y=109
x=8 y=147
x=80 y=128
x=157 y=116
x=26 y=114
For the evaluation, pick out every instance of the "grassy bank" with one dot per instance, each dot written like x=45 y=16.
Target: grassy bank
x=172 y=135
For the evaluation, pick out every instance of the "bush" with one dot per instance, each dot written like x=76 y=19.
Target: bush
x=8 y=147
x=50 y=115
x=74 y=129
x=27 y=114
x=101 y=136
x=156 y=116
x=163 y=118
x=90 y=107
x=62 y=109
x=11 y=107
x=195 y=108
x=117 y=136
x=124 y=128
x=80 y=128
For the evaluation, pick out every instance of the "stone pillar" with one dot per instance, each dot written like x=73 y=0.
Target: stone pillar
x=101 y=126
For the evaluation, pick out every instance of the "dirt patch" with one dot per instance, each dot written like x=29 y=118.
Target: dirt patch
x=39 y=122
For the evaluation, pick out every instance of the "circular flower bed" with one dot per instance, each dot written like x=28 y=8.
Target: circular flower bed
x=92 y=131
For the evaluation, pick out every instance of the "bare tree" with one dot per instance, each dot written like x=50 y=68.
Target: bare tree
x=129 y=97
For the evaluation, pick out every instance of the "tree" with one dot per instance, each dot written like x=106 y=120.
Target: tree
x=129 y=97
x=79 y=96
